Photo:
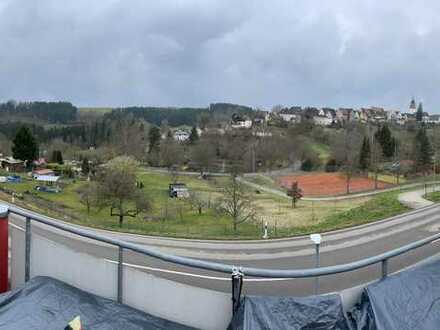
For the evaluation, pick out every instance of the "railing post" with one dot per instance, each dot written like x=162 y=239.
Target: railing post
x=237 y=285
x=27 y=261
x=384 y=268
x=318 y=262
x=120 y=273
x=4 y=249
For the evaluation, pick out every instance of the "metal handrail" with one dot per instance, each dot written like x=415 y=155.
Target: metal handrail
x=208 y=265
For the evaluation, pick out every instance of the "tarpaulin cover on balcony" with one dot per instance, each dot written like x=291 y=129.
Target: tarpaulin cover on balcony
x=316 y=312
x=404 y=301
x=46 y=303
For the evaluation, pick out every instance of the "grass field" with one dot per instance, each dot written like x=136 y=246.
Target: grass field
x=176 y=218
x=388 y=178
x=379 y=207
x=322 y=150
x=101 y=110
x=433 y=196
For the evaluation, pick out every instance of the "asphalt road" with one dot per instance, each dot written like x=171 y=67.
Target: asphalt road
x=297 y=253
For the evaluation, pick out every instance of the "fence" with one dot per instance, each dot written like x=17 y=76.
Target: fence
x=116 y=272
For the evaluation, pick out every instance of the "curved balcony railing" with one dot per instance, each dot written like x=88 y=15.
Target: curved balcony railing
x=206 y=265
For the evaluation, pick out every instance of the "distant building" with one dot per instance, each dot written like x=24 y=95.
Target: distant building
x=325 y=117
x=40 y=162
x=42 y=172
x=239 y=121
x=412 y=106
x=292 y=114
x=433 y=119
x=181 y=135
x=12 y=165
x=261 y=117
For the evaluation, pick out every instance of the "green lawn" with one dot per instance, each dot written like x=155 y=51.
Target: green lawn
x=433 y=196
x=173 y=217
x=322 y=150
x=379 y=207
x=100 y=110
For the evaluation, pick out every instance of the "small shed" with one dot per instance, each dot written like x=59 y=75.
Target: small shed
x=42 y=172
x=178 y=190
x=12 y=165
x=47 y=179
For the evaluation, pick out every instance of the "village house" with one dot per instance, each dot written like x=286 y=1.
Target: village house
x=325 y=117
x=261 y=117
x=12 y=165
x=292 y=114
x=239 y=121
x=181 y=135
x=433 y=119
x=345 y=115
x=40 y=162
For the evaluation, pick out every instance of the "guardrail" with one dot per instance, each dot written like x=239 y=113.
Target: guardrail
x=236 y=272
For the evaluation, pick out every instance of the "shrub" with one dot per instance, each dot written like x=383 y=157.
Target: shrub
x=307 y=165
x=331 y=166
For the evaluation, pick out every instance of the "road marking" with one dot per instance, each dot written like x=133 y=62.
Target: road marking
x=168 y=271
x=16 y=227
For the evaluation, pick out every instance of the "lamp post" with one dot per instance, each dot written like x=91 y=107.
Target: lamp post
x=316 y=239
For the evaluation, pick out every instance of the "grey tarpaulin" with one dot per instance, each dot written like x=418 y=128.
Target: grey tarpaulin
x=404 y=301
x=316 y=312
x=46 y=303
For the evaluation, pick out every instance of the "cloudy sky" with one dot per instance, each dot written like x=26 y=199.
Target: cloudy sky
x=188 y=52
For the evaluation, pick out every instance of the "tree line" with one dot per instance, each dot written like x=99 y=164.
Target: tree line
x=49 y=112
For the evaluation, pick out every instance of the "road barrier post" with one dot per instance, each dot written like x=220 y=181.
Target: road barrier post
x=4 y=249
x=27 y=253
x=316 y=239
x=237 y=286
x=120 y=282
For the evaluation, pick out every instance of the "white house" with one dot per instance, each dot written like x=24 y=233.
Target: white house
x=240 y=122
x=181 y=135
x=292 y=114
x=433 y=119
x=324 y=117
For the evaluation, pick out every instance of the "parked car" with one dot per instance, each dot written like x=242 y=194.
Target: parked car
x=47 y=189
x=3 y=179
x=13 y=179
x=178 y=190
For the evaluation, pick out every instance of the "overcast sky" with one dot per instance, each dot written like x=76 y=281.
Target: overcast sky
x=187 y=52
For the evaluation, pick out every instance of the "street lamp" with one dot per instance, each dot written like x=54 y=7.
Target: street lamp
x=316 y=239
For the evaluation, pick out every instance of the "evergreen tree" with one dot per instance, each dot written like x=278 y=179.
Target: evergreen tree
x=419 y=113
x=154 y=139
x=85 y=167
x=24 y=146
x=194 y=136
x=57 y=157
x=386 y=141
x=423 y=152
x=365 y=154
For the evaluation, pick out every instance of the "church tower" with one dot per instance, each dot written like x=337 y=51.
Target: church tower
x=412 y=106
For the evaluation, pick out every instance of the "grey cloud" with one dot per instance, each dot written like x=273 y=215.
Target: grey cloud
x=261 y=53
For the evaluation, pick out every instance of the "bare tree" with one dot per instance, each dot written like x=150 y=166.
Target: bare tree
x=88 y=195
x=203 y=155
x=117 y=186
x=171 y=153
x=345 y=149
x=197 y=201
x=295 y=193
x=236 y=203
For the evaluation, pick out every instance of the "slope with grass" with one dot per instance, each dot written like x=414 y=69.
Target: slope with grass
x=176 y=218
